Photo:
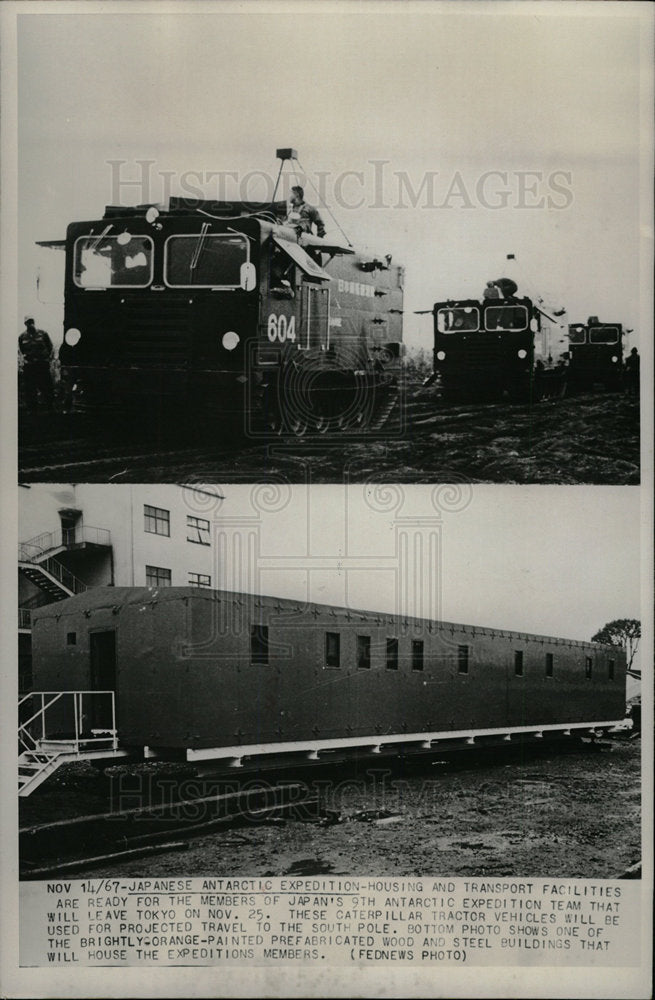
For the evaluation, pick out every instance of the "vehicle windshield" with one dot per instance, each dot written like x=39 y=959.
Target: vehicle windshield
x=207 y=260
x=577 y=335
x=460 y=319
x=506 y=318
x=112 y=261
x=604 y=335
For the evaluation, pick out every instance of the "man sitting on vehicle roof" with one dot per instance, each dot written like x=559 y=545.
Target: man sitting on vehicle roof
x=302 y=216
x=501 y=288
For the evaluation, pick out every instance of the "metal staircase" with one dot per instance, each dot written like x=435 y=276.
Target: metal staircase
x=50 y=576
x=61 y=721
x=34 y=766
x=37 y=558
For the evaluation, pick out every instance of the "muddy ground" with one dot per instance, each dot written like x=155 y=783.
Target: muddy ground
x=525 y=812
x=590 y=438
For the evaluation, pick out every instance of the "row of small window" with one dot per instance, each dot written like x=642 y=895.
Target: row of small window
x=157 y=521
x=333 y=652
x=157 y=576
x=259 y=654
x=550 y=665
x=259 y=650
x=259 y=645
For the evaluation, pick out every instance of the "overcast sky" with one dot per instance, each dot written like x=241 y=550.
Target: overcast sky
x=533 y=108
x=538 y=559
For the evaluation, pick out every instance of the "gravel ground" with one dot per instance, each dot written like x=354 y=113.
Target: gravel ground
x=532 y=812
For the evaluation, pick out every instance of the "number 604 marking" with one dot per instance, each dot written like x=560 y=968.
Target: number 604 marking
x=280 y=328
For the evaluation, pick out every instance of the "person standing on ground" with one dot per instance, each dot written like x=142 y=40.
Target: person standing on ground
x=632 y=372
x=37 y=352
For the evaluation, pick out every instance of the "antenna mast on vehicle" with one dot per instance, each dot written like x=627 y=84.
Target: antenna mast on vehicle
x=291 y=154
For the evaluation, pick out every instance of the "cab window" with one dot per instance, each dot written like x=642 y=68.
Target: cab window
x=506 y=318
x=208 y=260
x=604 y=335
x=460 y=319
x=121 y=261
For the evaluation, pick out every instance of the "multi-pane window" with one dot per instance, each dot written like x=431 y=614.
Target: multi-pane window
x=157 y=576
x=550 y=664
x=518 y=662
x=332 y=649
x=462 y=659
x=156 y=520
x=259 y=644
x=199 y=580
x=417 y=654
x=364 y=652
x=588 y=663
x=392 y=654
x=197 y=530
x=610 y=669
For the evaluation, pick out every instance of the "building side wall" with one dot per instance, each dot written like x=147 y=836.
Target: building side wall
x=186 y=677
x=120 y=510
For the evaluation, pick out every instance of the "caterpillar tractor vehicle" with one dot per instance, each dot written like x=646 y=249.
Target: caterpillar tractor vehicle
x=595 y=355
x=485 y=349
x=230 y=309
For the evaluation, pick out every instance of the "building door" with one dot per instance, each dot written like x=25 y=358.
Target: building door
x=103 y=678
x=70 y=520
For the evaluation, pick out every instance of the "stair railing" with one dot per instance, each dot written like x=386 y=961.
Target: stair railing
x=41 y=711
x=63 y=575
x=33 y=743
x=35 y=548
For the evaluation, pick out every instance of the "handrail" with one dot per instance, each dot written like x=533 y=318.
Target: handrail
x=41 y=542
x=78 y=696
x=35 y=548
x=72 y=691
x=23 y=736
x=63 y=575
x=43 y=708
x=59 y=572
x=49 y=755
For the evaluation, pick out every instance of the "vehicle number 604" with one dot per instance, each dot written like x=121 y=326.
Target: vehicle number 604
x=281 y=328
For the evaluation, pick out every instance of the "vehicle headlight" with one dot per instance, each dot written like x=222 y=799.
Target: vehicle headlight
x=230 y=340
x=72 y=336
x=614 y=359
x=441 y=355
x=523 y=353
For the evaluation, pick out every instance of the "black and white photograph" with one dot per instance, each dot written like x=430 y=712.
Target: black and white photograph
x=325 y=659
x=327 y=511
x=442 y=280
